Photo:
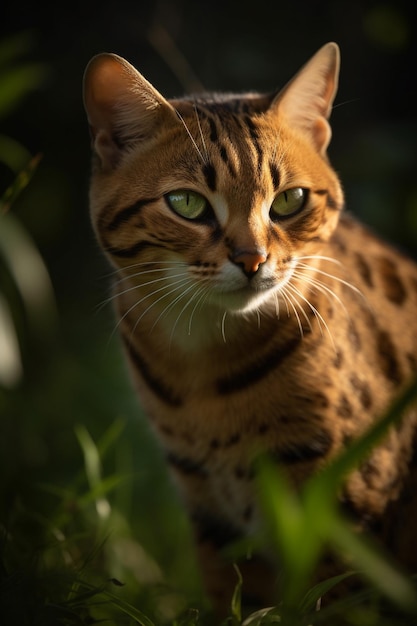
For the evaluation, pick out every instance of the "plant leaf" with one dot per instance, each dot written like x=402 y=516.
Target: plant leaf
x=313 y=595
x=11 y=369
x=376 y=567
x=13 y=154
x=29 y=274
x=20 y=182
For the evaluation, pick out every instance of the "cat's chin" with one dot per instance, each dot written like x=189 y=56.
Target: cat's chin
x=247 y=300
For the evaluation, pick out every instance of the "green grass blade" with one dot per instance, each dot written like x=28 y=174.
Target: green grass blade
x=129 y=610
x=313 y=595
x=377 y=568
x=236 y=604
x=292 y=532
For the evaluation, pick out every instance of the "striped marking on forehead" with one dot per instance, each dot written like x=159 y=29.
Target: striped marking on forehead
x=234 y=137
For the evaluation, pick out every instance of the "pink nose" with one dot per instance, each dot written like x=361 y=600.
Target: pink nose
x=249 y=260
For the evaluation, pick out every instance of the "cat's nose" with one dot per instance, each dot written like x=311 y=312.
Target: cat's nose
x=249 y=260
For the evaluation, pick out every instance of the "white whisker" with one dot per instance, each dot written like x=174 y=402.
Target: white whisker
x=123 y=270
x=176 y=301
x=178 y=284
x=116 y=294
x=204 y=291
x=190 y=136
x=288 y=299
x=223 y=328
x=320 y=319
x=319 y=257
x=175 y=287
x=277 y=312
x=203 y=141
x=318 y=285
x=305 y=266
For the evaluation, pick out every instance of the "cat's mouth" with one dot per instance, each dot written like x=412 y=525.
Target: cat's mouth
x=248 y=297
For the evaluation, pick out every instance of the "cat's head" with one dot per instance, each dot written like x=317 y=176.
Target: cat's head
x=216 y=196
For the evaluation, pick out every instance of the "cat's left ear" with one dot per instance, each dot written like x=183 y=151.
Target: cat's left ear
x=122 y=107
x=307 y=99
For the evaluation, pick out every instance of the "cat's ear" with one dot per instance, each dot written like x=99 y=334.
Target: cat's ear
x=122 y=106
x=307 y=99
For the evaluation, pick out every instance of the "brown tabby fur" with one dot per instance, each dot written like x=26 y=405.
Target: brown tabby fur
x=244 y=330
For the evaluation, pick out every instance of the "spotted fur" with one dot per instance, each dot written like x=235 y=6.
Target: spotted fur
x=246 y=329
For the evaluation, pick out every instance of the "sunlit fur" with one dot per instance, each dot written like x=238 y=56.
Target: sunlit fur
x=246 y=331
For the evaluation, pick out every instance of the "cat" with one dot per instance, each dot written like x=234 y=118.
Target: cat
x=256 y=314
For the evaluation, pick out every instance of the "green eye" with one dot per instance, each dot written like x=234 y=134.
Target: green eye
x=288 y=202
x=188 y=204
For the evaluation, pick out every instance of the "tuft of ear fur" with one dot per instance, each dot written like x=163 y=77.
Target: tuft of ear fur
x=306 y=101
x=122 y=106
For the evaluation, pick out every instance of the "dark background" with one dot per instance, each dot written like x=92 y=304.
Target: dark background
x=74 y=373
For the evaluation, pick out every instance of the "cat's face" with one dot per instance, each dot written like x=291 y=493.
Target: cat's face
x=211 y=201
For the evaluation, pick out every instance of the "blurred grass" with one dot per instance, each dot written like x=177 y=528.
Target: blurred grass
x=78 y=560
x=91 y=529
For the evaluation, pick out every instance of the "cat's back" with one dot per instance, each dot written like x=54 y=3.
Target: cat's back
x=387 y=280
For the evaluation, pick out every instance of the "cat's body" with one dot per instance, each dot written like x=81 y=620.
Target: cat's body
x=255 y=317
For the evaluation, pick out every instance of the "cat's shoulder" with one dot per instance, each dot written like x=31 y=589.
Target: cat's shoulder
x=354 y=235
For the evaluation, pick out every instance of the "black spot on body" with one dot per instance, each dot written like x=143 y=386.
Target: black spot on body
x=300 y=452
x=338 y=359
x=363 y=391
x=354 y=337
x=370 y=473
x=364 y=270
x=344 y=408
x=186 y=465
x=232 y=440
x=388 y=357
x=315 y=399
x=392 y=284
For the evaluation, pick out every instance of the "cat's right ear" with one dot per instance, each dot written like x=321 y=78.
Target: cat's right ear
x=122 y=107
x=307 y=99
